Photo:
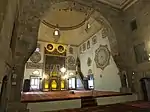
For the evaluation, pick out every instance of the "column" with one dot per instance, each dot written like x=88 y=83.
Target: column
x=14 y=101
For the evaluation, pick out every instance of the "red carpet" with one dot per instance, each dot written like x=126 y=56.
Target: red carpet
x=65 y=95
x=140 y=104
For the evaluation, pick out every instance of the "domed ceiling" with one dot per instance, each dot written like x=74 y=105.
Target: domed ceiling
x=72 y=20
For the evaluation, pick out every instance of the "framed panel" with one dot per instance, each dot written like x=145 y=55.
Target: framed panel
x=140 y=53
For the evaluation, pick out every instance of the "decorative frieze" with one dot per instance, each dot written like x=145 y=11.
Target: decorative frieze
x=30 y=65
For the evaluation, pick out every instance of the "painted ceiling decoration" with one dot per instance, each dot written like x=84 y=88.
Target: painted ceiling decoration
x=75 y=18
x=102 y=56
x=68 y=10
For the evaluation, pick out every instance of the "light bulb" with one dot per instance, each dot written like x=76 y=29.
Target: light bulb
x=56 y=32
x=63 y=69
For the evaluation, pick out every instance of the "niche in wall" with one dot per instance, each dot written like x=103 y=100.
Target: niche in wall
x=133 y=25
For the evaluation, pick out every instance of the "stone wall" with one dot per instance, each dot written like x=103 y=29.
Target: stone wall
x=7 y=18
x=141 y=12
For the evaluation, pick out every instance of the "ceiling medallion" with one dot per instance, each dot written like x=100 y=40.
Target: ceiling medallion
x=102 y=56
x=36 y=57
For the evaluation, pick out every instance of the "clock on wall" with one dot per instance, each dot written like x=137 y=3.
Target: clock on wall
x=36 y=57
x=102 y=56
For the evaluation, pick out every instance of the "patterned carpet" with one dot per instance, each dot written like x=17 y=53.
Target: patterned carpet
x=65 y=95
x=114 y=108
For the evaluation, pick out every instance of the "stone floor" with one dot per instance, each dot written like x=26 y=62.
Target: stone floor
x=127 y=107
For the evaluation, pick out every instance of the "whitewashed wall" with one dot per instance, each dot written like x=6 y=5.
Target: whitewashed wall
x=28 y=72
x=110 y=80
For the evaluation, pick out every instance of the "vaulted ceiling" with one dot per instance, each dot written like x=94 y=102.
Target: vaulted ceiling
x=121 y=4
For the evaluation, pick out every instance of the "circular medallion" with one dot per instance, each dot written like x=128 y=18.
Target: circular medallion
x=36 y=57
x=50 y=47
x=61 y=49
x=102 y=56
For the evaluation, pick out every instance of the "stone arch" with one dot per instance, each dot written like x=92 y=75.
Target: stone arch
x=30 y=13
x=33 y=10
x=3 y=92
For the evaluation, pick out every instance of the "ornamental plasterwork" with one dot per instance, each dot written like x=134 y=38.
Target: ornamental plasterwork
x=71 y=63
x=88 y=44
x=71 y=50
x=102 y=56
x=89 y=61
x=30 y=65
x=84 y=46
x=94 y=40
x=36 y=57
x=80 y=49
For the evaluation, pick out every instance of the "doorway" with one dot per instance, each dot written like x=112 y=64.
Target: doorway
x=3 y=93
x=90 y=82
x=72 y=83
x=34 y=83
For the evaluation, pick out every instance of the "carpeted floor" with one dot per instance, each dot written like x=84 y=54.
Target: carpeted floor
x=127 y=107
x=65 y=95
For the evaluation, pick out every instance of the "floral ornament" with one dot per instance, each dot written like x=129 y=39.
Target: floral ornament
x=36 y=57
x=71 y=63
x=102 y=56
